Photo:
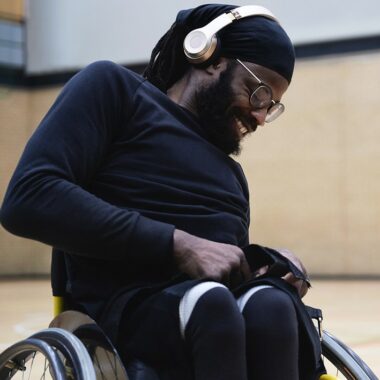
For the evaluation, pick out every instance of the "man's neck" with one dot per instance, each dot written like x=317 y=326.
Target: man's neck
x=182 y=92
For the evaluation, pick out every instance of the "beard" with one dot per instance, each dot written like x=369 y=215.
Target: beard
x=213 y=107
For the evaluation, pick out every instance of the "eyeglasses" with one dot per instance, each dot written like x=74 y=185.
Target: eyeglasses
x=262 y=98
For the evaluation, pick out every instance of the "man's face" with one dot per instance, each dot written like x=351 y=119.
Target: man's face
x=224 y=106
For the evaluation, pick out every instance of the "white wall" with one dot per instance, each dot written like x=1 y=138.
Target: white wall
x=68 y=34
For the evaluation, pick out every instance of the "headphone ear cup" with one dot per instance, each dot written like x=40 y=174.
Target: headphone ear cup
x=215 y=55
x=199 y=46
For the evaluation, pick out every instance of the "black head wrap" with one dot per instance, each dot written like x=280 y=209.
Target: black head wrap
x=254 y=39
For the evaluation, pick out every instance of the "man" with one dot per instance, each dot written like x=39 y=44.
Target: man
x=132 y=180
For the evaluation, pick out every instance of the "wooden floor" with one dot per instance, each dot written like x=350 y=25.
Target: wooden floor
x=351 y=311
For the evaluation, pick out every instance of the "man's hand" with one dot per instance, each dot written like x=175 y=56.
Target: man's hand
x=201 y=258
x=299 y=284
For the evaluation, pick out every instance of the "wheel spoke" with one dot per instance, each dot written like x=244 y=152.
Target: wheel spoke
x=98 y=365
x=46 y=365
x=110 y=356
x=31 y=365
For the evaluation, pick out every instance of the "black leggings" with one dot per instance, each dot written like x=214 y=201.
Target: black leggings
x=259 y=344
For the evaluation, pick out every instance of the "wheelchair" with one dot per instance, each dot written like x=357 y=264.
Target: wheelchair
x=79 y=350
x=74 y=347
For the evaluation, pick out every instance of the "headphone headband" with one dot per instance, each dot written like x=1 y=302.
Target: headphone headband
x=200 y=44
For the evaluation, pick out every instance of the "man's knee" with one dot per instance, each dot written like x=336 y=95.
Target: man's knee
x=270 y=311
x=210 y=307
x=271 y=335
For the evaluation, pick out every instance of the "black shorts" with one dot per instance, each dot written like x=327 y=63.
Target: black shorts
x=143 y=323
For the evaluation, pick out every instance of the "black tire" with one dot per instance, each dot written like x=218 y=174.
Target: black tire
x=20 y=357
x=106 y=360
x=72 y=350
x=346 y=361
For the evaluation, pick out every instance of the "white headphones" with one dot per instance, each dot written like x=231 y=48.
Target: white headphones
x=201 y=44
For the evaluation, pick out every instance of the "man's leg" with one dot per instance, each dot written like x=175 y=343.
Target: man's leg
x=191 y=330
x=271 y=334
x=212 y=325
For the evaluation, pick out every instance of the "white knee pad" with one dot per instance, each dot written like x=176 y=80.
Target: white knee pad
x=189 y=300
x=242 y=300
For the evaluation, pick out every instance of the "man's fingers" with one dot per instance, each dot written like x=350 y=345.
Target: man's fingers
x=294 y=259
x=245 y=269
x=201 y=258
x=259 y=272
x=240 y=271
x=289 y=277
x=299 y=284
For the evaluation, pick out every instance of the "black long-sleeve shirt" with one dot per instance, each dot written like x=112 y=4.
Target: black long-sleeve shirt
x=112 y=169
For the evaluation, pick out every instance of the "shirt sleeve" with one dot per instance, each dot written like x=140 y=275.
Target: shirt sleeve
x=47 y=199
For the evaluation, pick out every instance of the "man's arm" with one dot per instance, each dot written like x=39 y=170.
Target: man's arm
x=47 y=198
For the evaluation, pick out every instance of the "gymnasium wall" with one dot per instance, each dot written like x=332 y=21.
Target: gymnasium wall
x=65 y=35
x=12 y=10
x=313 y=174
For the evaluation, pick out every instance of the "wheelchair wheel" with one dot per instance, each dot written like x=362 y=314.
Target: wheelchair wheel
x=342 y=361
x=31 y=359
x=75 y=357
x=105 y=359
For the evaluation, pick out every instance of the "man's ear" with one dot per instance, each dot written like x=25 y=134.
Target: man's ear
x=217 y=66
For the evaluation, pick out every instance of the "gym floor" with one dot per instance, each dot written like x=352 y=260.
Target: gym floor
x=351 y=312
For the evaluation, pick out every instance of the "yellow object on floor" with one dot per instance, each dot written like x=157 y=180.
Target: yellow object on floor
x=328 y=377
